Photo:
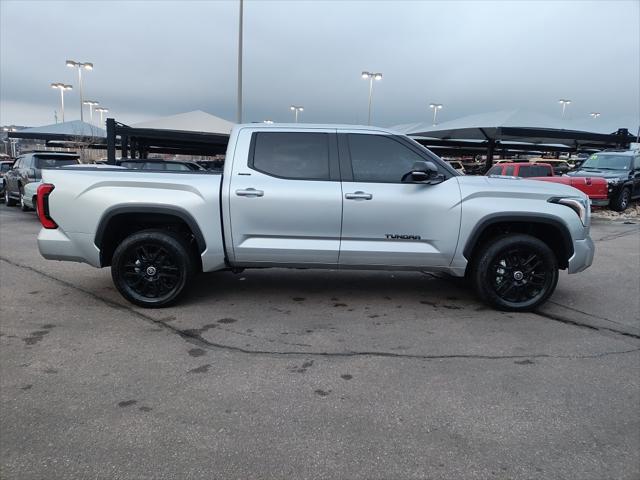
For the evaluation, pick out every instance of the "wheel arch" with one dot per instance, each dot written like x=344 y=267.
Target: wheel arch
x=547 y=228
x=120 y=221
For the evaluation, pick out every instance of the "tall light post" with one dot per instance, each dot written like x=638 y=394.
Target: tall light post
x=435 y=107
x=62 y=87
x=594 y=114
x=296 y=109
x=80 y=66
x=102 y=111
x=91 y=103
x=564 y=102
x=371 y=76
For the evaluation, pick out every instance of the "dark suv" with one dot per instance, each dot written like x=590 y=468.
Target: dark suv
x=621 y=169
x=28 y=168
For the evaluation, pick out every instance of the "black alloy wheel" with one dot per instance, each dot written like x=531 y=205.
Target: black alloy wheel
x=151 y=268
x=621 y=202
x=516 y=272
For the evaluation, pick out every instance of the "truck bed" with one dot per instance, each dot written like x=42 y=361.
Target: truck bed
x=105 y=192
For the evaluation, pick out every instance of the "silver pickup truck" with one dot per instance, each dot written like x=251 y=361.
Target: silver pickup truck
x=316 y=196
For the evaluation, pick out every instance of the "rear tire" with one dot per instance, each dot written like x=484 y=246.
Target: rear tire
x=23 y=206
x=622 y=200
x=151 y=268
x=8 y=201
x=515 y=272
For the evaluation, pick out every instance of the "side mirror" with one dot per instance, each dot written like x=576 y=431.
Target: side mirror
x=421 y=172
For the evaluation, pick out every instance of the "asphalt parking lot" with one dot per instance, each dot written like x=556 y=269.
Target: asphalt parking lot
x=314 y=374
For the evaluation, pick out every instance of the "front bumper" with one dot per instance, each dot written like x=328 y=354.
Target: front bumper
x=582 y=258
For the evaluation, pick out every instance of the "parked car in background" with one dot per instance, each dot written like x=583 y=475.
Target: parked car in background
x=28 y=168
x=621 y=169
x=594 y=187
x=29 y=199
x=159 y=164
x=560 y=167
x=458 y=167
x=213 y=165
x=5 y=166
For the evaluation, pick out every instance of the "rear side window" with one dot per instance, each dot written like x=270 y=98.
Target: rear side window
x=535 y=171
x=509 y=171
x=177 y=167
x=53 y=162
x=495 y=170
x=380 y=158
x=4 y=167
x=298 y=156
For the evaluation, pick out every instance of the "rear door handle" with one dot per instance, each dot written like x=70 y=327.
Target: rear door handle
x=358 y=196
x=250 y=192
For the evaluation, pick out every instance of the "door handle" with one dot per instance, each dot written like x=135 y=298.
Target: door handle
x=358 y=196
x=250 y=192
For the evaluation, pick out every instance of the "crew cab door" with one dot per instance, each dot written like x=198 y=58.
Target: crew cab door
x=285 y=198
x=387 y=222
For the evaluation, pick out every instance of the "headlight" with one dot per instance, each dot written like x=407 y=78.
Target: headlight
x=581 y=206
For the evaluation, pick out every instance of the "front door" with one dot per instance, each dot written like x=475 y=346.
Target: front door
x=286 y=199
x=390 y=223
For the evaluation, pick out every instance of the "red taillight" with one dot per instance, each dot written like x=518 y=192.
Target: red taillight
x=43 y=205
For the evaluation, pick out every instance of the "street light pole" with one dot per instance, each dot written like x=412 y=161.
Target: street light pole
x=239 y=108
x=296 y=109
x=564 y=102
x=435 y=107
x=371 y=76
x=80 y=66
x=62 y=87
x=91 y=103
x=102 y=111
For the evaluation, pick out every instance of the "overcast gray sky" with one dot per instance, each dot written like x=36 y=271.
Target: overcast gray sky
x=155 y=58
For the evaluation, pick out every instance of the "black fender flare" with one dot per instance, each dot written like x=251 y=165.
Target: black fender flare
x=142 y=208
x=523 y=217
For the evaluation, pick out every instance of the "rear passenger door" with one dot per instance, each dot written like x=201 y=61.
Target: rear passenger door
x=285 y=198
x=389 y=223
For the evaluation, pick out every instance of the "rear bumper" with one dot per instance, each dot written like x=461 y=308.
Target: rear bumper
x=599 y=202
x=582 y=258
x=76 y=247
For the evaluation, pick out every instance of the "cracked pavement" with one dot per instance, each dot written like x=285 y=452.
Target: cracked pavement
x=308 y=374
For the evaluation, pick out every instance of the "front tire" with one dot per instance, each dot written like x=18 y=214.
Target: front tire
x=621 y=202
x=151 y=268
x=8 y=201
x=515 y=272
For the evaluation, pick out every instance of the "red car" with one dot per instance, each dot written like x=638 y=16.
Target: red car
x=594 y=187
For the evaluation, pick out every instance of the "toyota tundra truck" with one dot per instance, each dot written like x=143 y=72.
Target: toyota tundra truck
x=316 y=196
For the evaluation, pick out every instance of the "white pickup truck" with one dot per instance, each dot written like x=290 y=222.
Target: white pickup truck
x=316 y=196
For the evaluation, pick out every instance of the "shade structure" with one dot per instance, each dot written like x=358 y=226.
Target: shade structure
x=522 y=126
x=66 y=131
x=195 y=121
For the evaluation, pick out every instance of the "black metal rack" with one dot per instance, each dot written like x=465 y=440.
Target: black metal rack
x=140 y=142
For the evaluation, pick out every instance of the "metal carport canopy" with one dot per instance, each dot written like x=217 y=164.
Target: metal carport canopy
x=522 y=126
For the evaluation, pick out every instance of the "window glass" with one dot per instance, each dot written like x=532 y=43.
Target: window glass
x=509 y=171
x=380 y=158
x=297 y=155
x=534 y=171
x=636 y=162
x=4 y=167
x=52 y=162
x=177 y=167
x=495 y=170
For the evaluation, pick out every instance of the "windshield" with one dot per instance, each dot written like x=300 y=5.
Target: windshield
x=608 y=162
x=52 y=162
